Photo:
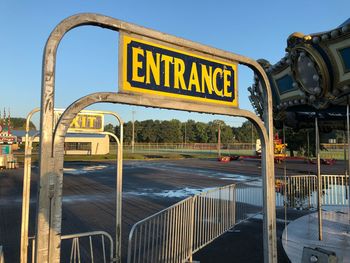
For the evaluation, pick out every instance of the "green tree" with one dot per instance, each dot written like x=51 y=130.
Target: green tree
x=147 y=131
x=188 y=131
x=246 y=133
x=200 y=131
x=170 y=131
x=212 y=130
x=297 y=141
x=20 y=124
x=109 y=128
x=127 y=134
x=226 y=134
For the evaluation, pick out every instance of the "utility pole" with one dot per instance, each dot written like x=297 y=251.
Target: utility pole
x=219 y=140
x=185 y=134
x=133 y=133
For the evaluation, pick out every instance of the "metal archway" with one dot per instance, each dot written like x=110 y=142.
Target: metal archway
x=51 y=150
x=27 y=180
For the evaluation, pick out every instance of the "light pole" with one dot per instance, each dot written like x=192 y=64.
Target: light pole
x=133 y=133
x=185 y=133
x=219 y=140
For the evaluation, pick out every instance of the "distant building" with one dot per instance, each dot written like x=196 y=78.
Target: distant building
x=77 y=143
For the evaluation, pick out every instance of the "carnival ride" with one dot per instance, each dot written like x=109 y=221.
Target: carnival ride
x=310 y=90
x=280 y=153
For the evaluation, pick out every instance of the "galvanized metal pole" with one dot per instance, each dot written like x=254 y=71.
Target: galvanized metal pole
x=26 y=200
x=319 y=180
x=192 y=216
x=269 y=200
x=219 y=140
x=133 y=133
x=119 y=194
x=345 y=149
x=285 y=184
x=185 y=133
x=26 y=189
x=119 y=191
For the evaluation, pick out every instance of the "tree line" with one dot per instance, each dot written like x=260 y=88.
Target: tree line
x=16 y=123
x=174 y=131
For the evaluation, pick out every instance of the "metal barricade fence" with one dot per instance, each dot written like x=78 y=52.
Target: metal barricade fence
x=84 y=247
x=214 y=214
x=163 y=237
x=335 y=190
x=297 y=191
x=300 y=191
x=166 y=236
x=249 y=199
x=175 y=233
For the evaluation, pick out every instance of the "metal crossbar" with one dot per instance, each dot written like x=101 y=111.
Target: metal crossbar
x=86 y=247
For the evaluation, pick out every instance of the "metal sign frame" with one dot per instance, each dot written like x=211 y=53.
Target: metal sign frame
x=49 y=215
x=27 y=178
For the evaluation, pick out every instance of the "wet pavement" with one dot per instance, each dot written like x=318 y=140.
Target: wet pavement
x=148 y=187
x=304 y=232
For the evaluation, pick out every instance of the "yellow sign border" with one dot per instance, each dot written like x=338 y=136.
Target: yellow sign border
x=126 y=86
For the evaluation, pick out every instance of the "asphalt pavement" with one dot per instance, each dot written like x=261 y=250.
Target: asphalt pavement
x=148 y=187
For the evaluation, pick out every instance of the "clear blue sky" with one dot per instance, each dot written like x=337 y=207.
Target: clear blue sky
x=87 y=57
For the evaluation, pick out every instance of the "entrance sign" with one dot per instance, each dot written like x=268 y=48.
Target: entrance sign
x=159 y=69
x=85 y=121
